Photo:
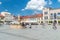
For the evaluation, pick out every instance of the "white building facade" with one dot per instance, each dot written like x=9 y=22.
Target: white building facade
x=37 y=18
x=7 y=16
x=49 y=15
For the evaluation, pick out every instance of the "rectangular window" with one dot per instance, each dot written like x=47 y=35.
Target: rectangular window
x=46 y=12
x=51 y=16
x=58 y=13
x=58 y=17
x=46 y=17
x=41 y=18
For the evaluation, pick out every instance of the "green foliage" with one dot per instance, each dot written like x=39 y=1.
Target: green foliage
x=1 y=21
x=50 y=21
x=58 y=21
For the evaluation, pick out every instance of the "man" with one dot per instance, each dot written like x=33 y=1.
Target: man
x=23 y=24
x=54 y=25
x=30 y=25
x=43 y=25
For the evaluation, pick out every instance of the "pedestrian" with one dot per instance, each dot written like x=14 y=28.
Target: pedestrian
x=23 y=24
x=42 y=25
x=30 y=26
x=54 y=25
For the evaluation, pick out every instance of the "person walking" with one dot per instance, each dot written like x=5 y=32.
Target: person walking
x=43 y=25
x=23 y=24
x=30 y=26
x=54 y=25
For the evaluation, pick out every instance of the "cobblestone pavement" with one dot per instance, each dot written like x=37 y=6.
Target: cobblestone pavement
x=37 y=32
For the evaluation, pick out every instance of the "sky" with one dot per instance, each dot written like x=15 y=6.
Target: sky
x=27 y=7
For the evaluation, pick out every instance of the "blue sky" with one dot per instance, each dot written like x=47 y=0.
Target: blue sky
x=27 y=7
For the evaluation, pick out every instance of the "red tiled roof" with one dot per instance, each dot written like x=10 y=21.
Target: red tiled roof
x=25 y=17
x=32 y=16
x=1 y=15
x=37 y=15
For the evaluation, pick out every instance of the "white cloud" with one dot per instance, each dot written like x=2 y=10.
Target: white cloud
x=22 y=9
x=50 y=2
x=6 y=10
x=0 y=2
x=58 y=0
x=36 y=4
